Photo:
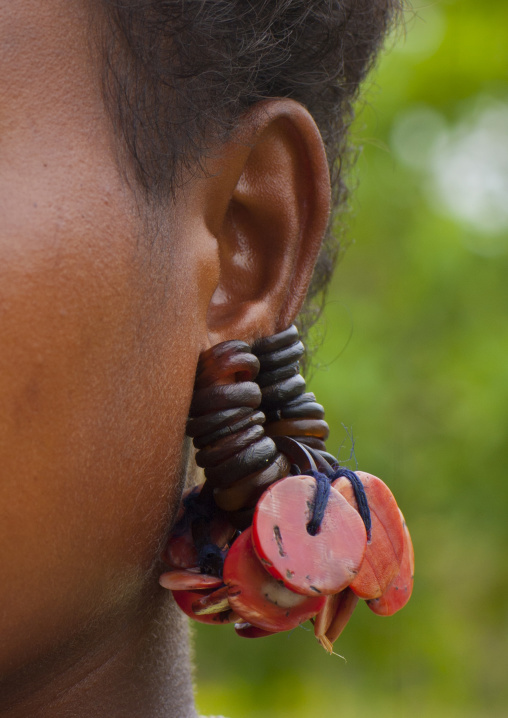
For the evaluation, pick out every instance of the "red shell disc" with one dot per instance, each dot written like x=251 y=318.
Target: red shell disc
x=190 y=579
x=343 y=612
x=180 y=551
x=247 y=630
x=325 y=616
x=384 y=550
x=322 y=564
x=257 y=597
x=214 y=602
x=185 y=599
x=399 y=591
x=334 y=617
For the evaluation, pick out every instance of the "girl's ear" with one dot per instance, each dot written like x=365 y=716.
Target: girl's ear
x=266 y=201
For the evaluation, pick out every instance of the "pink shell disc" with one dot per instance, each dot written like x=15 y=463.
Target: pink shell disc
x=191 y=579
x=258 y=598
x=312 y=565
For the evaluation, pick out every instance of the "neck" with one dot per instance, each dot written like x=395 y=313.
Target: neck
x=134 y=666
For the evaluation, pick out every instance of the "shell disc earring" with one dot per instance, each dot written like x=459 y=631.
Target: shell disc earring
x=279 y=533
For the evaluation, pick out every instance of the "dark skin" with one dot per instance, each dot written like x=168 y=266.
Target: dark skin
x=101 y=325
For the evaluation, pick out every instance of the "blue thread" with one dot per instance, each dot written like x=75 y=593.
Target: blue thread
x=323 y=492
x=196 y=508
x=320 y=502
x=360 y=496
x=198 y=514
x=211 y=559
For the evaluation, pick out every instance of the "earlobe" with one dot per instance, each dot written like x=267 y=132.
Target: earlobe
x=268 y=205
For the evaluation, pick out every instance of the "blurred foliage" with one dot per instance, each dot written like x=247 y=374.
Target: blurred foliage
x=412 y=367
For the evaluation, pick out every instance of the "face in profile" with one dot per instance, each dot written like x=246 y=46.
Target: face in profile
x=98 y=344
x=108 y=295
x=105 y=305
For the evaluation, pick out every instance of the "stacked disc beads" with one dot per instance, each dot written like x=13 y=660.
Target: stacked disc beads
x=226 y=424
x=289 y=409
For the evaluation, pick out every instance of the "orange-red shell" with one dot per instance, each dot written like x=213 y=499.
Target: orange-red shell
x=399 y=591
x=383 y=555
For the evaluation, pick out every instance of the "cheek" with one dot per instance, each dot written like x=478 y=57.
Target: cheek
x=96 y=371
x=98 y=344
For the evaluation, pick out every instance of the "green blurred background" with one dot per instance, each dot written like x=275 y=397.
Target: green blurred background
x=413 y=364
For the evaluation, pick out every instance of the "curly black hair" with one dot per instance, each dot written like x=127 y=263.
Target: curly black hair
x=179 y=73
